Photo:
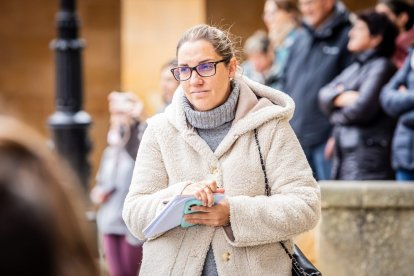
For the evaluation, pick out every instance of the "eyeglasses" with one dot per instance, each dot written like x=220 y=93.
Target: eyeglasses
x=207 y=69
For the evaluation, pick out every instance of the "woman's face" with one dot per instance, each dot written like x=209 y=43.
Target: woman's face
x=269 y=13
x=273 y=16
x=205 y=93
x=261 y=61
x=360 y=39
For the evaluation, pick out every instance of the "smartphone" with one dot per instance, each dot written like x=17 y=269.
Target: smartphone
x=194 y=202
x=187 y=210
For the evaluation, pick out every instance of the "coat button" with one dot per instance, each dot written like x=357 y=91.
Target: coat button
x=226 y=256
x=213 y=170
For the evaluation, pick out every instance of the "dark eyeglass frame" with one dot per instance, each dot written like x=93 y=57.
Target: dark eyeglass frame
x=195 y=69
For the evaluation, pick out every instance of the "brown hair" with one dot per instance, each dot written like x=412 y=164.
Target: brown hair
x=44 y=229
x=221 y=40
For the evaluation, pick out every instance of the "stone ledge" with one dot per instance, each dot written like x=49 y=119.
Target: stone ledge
x=367 y=194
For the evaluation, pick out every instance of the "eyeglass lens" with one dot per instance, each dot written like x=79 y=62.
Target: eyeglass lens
x=204 y=70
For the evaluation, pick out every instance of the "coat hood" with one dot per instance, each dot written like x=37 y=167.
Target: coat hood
x=257 y=104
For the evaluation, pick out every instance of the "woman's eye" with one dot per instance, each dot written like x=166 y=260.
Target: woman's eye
x=184 y=70
x=205 y=66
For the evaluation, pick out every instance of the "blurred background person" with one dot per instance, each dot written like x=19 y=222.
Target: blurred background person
x=43 y=229
x=397 y=98
x=318 y=55
x=402 y=14
x=168 y=83
x=362 y=130
x=281 y=18
x=122 y=251
x=260 y=65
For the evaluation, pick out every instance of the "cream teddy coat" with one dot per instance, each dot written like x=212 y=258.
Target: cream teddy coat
x=172 y=156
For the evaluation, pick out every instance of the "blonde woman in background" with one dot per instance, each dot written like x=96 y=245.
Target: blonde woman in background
x=281 y=18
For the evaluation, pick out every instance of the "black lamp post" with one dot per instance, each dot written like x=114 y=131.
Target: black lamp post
x=70 y=123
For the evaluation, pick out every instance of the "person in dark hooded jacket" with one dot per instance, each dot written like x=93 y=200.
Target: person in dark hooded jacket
x=362 y=130
x=397 y=98
x=318 y=55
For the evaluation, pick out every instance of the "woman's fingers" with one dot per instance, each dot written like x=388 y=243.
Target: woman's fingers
x=202 y=196
x=210 y=196
x=206 y=193
x=210 y=189
x=218 y=215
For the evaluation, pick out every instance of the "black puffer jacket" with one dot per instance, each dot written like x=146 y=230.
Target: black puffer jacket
x=315 y=59
x=401 y=105
x=362 y=131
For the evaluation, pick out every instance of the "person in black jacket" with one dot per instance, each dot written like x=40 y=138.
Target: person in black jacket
x=397 y=99
x=318 y=55
x=362 y=131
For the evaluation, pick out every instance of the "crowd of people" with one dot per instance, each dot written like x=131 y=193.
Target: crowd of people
x=341 y=71
x=323 y=94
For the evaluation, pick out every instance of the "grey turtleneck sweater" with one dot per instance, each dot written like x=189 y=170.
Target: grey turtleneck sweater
x=212 y=126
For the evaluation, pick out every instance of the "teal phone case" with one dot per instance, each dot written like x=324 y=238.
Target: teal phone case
x=187 y=210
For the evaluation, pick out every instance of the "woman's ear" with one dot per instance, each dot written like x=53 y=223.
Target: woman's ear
x=375 y=41
x=232 y=67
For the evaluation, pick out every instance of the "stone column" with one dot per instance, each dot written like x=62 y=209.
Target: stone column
x=367 y=228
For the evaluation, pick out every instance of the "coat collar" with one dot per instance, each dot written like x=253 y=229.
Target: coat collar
x=257 y=105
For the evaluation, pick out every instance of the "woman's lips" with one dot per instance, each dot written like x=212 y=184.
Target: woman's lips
x=199 y=92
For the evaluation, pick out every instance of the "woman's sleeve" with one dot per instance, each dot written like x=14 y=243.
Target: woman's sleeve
x=394 y=102
x=408 y=119
x=149 y=186
x=294 y=206
x=367 y=106
x=329 y=92
x=106 y=172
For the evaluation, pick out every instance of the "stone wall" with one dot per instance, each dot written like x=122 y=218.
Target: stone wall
x=367 y=229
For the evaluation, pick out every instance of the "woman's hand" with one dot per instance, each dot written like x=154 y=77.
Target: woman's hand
x=346 y=98
x=98 y=196
x=217 y=215
x=329 y=148
x=203 y=191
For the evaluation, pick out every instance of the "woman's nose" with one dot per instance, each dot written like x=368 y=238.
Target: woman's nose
x=195 y=78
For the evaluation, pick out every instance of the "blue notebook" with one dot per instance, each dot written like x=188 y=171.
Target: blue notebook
x=171 y=215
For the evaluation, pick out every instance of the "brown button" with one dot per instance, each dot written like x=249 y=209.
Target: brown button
x=213 y=170
x=226 y=256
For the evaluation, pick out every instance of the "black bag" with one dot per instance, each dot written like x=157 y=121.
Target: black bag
x=301 y=266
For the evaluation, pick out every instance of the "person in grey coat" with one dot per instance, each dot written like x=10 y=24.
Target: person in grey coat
x=397 y=99
x=123 y=252
x=362 y=130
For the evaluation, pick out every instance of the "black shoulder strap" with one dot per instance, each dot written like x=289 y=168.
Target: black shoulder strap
x=267 y=188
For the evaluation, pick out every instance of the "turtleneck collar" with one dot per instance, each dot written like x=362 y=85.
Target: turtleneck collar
x=216 y=117
x=365 y=56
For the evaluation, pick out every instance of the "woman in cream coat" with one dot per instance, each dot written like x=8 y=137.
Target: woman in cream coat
x=208 y=133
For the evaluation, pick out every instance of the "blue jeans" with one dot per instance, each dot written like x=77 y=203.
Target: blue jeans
x=321 y=167
x=404 y=175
